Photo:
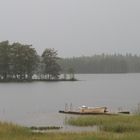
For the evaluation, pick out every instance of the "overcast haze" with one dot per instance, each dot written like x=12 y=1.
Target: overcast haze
x=73 y=27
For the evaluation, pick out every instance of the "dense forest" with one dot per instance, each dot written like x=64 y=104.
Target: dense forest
x=116 y=63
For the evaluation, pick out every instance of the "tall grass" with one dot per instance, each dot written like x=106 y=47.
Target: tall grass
x=120 y=127
x=120 y=123
x=9 y=131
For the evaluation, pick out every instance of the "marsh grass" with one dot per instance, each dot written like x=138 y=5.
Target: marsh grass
x=118 y=123
x=9 y=131
x=120 y=127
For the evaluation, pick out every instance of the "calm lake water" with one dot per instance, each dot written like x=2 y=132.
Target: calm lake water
x=38 y=103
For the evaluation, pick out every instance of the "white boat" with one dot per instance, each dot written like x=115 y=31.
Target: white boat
x=85 y=109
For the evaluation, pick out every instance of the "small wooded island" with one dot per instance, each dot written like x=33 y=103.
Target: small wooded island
x=20 y=62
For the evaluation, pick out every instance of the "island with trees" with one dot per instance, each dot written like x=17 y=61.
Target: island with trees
x=20 y=62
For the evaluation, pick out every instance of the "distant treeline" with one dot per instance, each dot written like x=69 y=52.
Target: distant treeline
x=116 y=63
x=20 y=62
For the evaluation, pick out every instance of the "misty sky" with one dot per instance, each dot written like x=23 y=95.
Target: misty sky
x=73 y=27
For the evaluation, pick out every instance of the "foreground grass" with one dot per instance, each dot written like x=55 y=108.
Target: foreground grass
x=10 y=131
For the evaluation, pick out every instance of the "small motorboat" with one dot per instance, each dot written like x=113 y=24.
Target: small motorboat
x=84 y=110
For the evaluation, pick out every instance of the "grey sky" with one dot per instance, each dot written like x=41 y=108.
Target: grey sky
x=73 y=27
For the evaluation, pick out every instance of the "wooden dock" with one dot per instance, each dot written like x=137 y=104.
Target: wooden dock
x=85 y=113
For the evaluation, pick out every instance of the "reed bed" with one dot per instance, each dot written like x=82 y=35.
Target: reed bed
x=118 y=123
x=112 y=130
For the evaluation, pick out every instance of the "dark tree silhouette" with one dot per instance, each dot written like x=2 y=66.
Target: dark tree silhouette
x=52 y=68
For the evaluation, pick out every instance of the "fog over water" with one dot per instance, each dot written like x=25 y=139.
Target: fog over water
x=73 y=27
x=38 y=103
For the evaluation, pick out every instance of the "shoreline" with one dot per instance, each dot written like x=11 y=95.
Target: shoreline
x=37 y=80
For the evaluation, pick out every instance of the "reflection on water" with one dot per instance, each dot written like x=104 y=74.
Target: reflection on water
x=38 y=103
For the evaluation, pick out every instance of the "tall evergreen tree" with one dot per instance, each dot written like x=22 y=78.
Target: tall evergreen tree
x=24 y=61
x=52 y=68
x=5 y=59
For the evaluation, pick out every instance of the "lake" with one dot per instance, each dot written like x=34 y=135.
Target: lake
x=38 y=103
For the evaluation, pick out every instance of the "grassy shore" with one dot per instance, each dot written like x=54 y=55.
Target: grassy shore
x=10 y=131
x=111 y=128
x=117 y=123
x=122 y=127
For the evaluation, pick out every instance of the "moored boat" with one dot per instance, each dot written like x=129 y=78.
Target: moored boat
x=84 y=110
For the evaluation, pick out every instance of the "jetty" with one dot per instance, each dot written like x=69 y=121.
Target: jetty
x=84 y=110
